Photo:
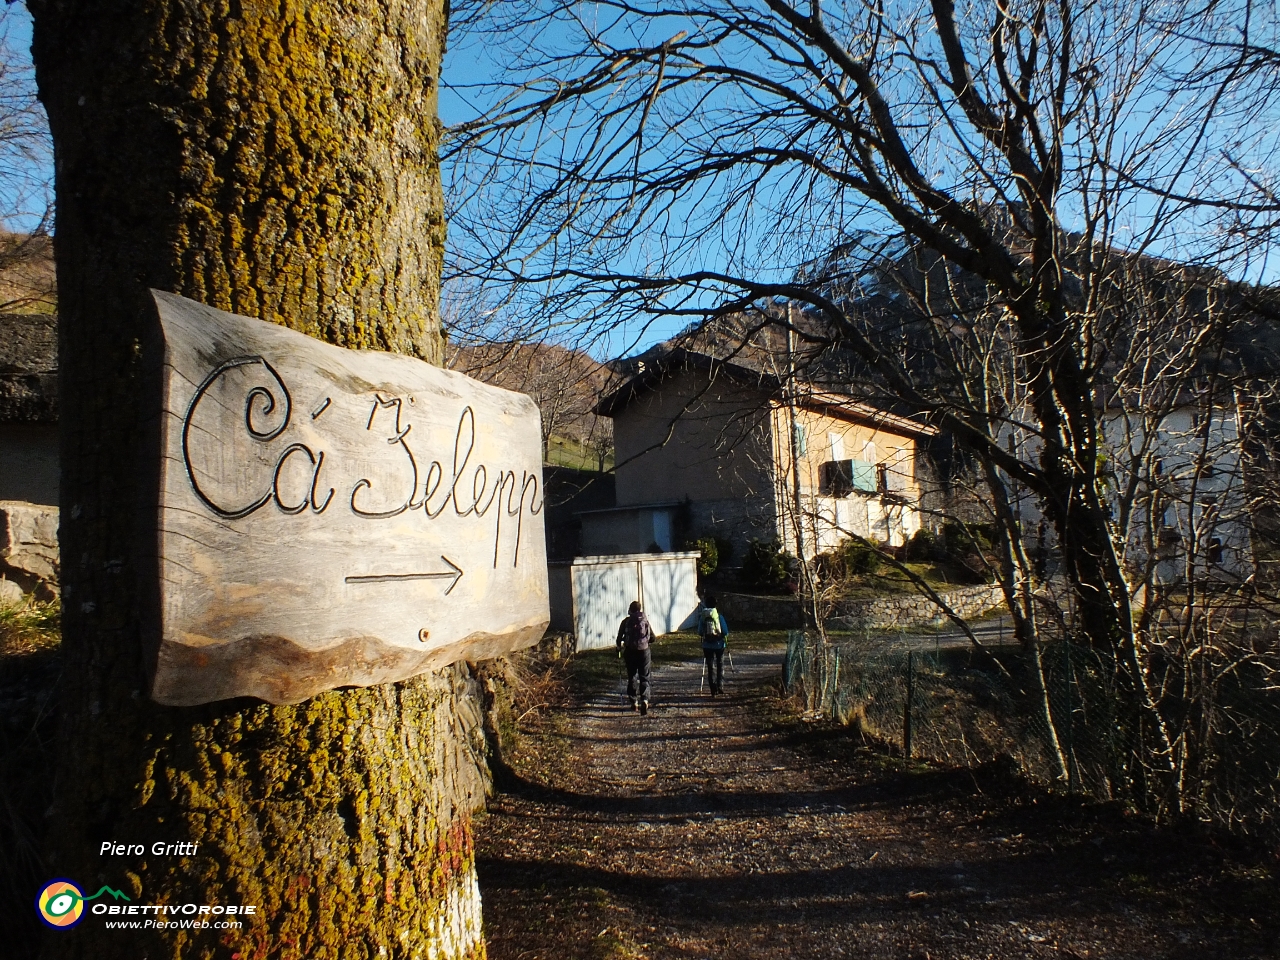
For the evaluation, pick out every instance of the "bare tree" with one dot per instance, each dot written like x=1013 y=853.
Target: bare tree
x=674 y=159
x=26 y=169
x=564 y=381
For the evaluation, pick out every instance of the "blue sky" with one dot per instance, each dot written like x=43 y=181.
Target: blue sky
x=18 y=173
x=1155 y=114
x=470 y=65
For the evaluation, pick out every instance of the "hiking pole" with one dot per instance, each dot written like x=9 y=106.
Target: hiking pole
x=729 y=654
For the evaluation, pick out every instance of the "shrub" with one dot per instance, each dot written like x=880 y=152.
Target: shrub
x=710 y=558
x=924 y=547
x=765 y=567
x=971 y=547
x=851 y=559
x=859 y=559
x=963 y=538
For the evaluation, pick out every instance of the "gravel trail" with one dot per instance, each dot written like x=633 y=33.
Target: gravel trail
x=713 y=828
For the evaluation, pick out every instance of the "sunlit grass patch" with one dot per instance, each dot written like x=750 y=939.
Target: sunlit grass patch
x=29 y=628
x=613 y=944
x=567 y=452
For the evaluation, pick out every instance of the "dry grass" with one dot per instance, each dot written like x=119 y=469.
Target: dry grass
x=29 y=628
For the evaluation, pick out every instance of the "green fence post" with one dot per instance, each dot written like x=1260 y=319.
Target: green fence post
x=906 y=709
x=835 y=686
x=1072 y=785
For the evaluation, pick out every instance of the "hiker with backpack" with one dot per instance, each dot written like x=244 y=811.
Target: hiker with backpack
x=634 y=637
x=713 y=630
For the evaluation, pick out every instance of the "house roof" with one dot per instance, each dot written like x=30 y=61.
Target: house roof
x=652 y=369
x=846 y=408
x=28 y=368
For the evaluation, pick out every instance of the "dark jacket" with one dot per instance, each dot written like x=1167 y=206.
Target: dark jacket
x=635 y=633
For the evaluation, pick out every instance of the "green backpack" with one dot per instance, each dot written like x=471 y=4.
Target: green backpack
x=713 y=629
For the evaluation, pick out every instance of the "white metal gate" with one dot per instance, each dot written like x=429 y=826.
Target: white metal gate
x=600 y=589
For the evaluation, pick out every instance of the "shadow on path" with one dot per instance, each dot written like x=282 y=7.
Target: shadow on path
x=709 y=829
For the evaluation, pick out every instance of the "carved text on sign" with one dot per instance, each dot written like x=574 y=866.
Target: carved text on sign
x=301 y=479
x=330 y=517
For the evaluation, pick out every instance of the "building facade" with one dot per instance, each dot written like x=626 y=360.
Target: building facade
x=705 y=447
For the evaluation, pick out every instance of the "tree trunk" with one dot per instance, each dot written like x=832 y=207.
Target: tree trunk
x=1064 y=405
x=1016 y=583
x=278 y=161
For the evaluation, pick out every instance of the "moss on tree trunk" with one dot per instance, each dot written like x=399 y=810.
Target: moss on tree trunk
x=276 y=160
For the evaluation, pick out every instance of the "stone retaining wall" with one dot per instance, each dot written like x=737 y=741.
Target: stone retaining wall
x=745 y=611
x=906 y=609
x=915 y=609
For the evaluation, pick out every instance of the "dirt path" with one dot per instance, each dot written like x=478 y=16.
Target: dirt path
x=708 y=829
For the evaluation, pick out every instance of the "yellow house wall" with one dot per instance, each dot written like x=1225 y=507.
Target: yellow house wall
x=896 y=451
x=828 y=520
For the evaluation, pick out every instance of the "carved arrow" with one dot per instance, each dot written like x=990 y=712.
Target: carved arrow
x=455 y=573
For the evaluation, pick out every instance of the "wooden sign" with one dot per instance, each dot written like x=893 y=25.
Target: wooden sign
x=332 y=517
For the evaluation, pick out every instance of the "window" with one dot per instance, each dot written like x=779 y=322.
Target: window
x=802 y=446
x=835 y=478
x=1215 y=551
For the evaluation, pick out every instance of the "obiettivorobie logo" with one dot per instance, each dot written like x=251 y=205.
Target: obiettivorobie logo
x=60 y=902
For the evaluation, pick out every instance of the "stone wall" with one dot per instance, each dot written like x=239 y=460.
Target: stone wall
x=906 y=609
x=28 y=550
x=28 y=369
x=916 y=609
x=29 y=463
x=745 y=610
x=736 y=521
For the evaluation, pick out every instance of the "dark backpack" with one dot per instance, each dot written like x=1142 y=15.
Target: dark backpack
x=638 y=632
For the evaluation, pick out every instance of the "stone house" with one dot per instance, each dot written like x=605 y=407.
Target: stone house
x=705 y=446
x=1193 y=520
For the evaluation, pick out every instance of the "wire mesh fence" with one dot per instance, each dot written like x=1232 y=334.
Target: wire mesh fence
x=956 y=706
x=951 y=707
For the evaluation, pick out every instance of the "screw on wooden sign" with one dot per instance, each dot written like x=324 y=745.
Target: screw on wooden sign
x=333 y=517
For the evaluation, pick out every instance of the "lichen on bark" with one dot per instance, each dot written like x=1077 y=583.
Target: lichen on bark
x=276 y=160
